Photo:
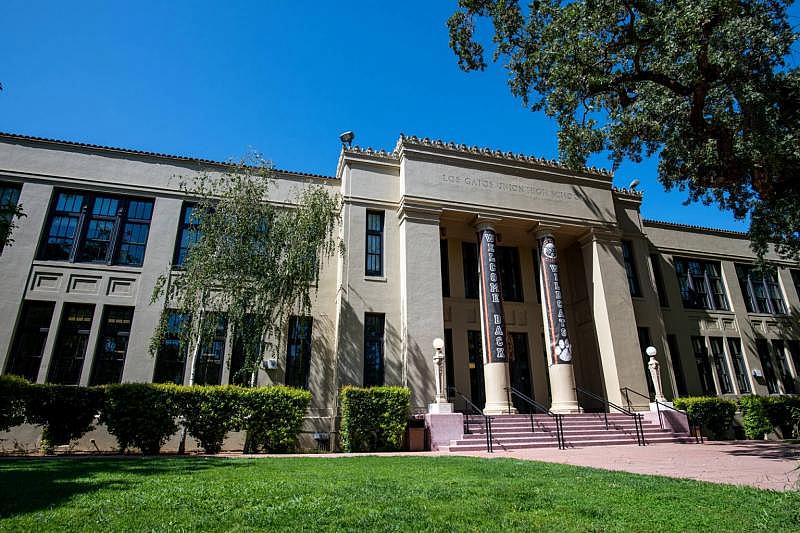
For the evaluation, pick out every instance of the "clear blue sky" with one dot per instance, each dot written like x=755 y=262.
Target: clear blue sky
x=214 y=79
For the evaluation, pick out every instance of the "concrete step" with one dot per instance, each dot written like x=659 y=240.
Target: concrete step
x=477 y=447
x=567 y=434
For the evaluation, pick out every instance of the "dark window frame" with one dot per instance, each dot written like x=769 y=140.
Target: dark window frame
x=509 y=271
x=374 y=270
x=739 y=365
x=102 y=356
x=30 y=336
x=298 y=351
x=761 y=290
x=374 y=336
x=469 y=259
x=717 y=345
x=172 y=342
x=629 y=261
x=444 y=259
x=65 y=367
x=700 y=286
x=658 y=276
x=190 y=227
x=705 y=371
x=677 y=365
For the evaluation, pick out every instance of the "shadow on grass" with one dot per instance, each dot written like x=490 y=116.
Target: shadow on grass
x=34 y=484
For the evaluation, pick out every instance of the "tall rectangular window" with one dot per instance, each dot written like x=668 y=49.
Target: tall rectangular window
x=298 y=351
x=677 y=365
x=97 y=228
x=70 y=348
x=445 y=265
x=171 y=357
x=448 y=362
x=208 y=367
x=794 y=351
x=520 y=369
x=509 y=271
x=644 y=342
x=701 y=284
x=536 y=281
x=659 y=279
x=703 y=366
x=779 y=347
x=739 y=366
x=374 y=266
x=30 y=338
x=630 y=268
x=242 y=345
x=721 y=365
x=112 y=345
x=475 y=354
x=9 y=197
x=761 y=291
x=469 y=253
x=374 y=324
x=188 y=232
x=767 y=368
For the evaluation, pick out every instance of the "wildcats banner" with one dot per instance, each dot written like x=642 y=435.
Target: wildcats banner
x=494 y=322
x=553 y=305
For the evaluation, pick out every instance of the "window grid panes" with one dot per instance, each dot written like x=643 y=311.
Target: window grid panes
x=761 y=291
x=9 y=197
x=701 y=284
x=112 y=345
x=374 y=255
x=739 y=367
x=374 y=324
x=171 y=357
x=779 y=349
x=703 y=366
x=298 y=351
x=630 y=268
x=721 y=365
x=32 y=330
x=208 y=367
x=767 y=368
x=69 y=351
x=677 y=365
x=189 y=232
x=659 y=278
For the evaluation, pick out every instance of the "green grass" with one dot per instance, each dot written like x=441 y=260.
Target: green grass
x=370 y=493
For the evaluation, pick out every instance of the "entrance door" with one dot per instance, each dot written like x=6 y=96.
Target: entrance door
x=520 y=370
x=477 y=388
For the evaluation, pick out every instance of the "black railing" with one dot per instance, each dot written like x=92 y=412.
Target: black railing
x=487 y=420
x=637 y=417
x=695 y=426
x=557 y=417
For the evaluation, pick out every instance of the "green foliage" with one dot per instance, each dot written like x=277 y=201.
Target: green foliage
x=373 y=419
x=780 y=410
x=714 y=414
x=9 y=213
x=141 y=415
x=254 y=260
x=273 y=416
x=702 y=84
x=754 y=416
x=210 y=412
x=65 y=412
x=13 y=393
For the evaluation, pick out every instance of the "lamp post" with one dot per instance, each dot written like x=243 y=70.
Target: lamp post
x=655 y=373
x=440 y=403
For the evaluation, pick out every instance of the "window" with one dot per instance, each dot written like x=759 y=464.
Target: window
x=537 y=282
x=519 y=369
x=373 y=349
x=242 y=344
x=703 y=366
x=794 y=350
x=374 y=265
x=449 y=369
x=762 y=347
x=779 y=348
x=630 y=268
x=701 y=284
x=9 y=197
x=32 y=330
x=171 y=357
x=796 y=280
x=509 y=271
x=445 y=264
x=659 y=279
x=760 y=290
x=298 y=351
x=469 y=252
x=677 y=366
x=70 y=348
x=96 y=228
x=644 y=342
x=208 y=367
x=739 y=367
x=723 y=375
x=188 y=232
x=475 y=353
x=109 y=357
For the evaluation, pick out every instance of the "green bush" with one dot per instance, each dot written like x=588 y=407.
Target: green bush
x=210 y=412
x=779 y=411
x=65 y=412
x=714 y=414
x=754 y=416
x=13 y=393
x=273 y=416
x=373 y=419
x=141 y=415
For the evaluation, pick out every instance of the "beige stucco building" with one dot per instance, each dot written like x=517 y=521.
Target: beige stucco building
x=103 y=223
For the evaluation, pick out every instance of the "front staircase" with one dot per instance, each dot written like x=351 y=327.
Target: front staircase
x=513 y=432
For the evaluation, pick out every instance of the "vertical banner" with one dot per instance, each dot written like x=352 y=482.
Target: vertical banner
x=494 y=322
x=553 y=304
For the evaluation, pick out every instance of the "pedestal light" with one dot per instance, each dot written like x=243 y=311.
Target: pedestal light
x=440 y=403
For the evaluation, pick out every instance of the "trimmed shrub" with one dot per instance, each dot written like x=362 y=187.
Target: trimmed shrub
x=754 y=416
x=273 y=416
x=141 y=415
x=779 y=411
x=210 y=412
x=373 y=419
x=714 y=414
x=13 y=393
x=65 y=412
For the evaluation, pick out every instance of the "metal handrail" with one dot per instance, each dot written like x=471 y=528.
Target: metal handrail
x=637 y=417
x=486 y=419
x=557 y=417
x=698 y=435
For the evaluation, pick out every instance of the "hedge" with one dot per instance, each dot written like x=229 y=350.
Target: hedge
x=13 y=392
x=714 y=414
x=65 y=412
x=273 y=417
x=763 y=414
x=141 y=415
x=373 y=419
x=210 y=412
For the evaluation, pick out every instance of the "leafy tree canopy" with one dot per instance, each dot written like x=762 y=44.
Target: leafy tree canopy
x=701 y=83
x=254 y=260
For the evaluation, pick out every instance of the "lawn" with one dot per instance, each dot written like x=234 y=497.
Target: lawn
x=370 y=493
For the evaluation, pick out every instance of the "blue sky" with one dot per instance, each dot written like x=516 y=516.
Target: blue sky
x=215 y=79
